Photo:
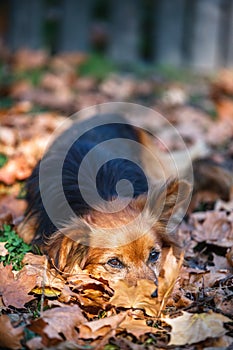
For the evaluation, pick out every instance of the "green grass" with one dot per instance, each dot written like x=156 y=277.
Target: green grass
x=170 y=73
x=16 y=247
x=8 y=77
x=3 y=160
x=34 y=75
x=97 y=66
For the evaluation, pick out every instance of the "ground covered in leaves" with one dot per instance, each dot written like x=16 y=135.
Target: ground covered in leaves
x=43 y=308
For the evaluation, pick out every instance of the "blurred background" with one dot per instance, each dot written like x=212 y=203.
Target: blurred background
x=182 y=33
x=60 y=56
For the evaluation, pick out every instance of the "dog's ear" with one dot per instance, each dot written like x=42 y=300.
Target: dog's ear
x=168 y=199
x=69 y=246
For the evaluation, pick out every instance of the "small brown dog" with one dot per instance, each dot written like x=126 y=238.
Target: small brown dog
x=129 y=243
x=123 y=245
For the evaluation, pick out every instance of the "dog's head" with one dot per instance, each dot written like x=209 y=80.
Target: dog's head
x=129 y=244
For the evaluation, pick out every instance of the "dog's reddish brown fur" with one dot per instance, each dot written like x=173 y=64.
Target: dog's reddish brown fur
x=92 y=241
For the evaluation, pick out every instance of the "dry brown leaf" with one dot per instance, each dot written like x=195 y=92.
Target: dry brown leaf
x=57 y=321
x=168 y=277
x=81 y=280
x=35 y=343
x=217 y=228
x=225 y=110
x=224 y=81
x=5 y=218
x=92 y=292
x=29 y=59
x=3 y=250
x=229 y=256
x=8 y=136
x=136 y=297
x=9 y=336
x=100 y=328
x=136 y=327
x=213 y=278
x=14 y=290
x=48 y=281
x=220 y=263
x=17 y=168
x=13 y=206
x=193 y=328
x=223 y=299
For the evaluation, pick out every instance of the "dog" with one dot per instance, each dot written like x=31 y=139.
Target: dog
x=113 y=235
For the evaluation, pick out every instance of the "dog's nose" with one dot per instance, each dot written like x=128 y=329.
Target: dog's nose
x=155 y=293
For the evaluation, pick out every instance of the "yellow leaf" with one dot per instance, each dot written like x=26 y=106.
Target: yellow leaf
x=47 y=291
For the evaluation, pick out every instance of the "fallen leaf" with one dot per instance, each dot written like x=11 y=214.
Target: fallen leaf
x=13 y=206
x=8 y=136
x=168 y=277
x=17 y=168
x=223 y=300
x=3 y=250
x=224 y=81
x=136 y=327
x=225 y=110
x=14 y=290
x=47 y=291
x=217 y=228
x=29 y=59
x=48 y=281
x=229 y=256
x=220 y=263
x=91 y=292
x=9 y=336
x=193 y=328
x=136 y=297
x=100 y=328
x=35 y=343
x=57 y=322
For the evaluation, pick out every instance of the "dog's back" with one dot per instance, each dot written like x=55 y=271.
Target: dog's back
x=104 y=181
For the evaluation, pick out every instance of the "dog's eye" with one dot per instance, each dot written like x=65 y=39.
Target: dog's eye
x=154 y=255
x=116 y=263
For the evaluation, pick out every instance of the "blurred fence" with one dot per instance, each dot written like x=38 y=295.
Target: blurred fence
x=193 y=33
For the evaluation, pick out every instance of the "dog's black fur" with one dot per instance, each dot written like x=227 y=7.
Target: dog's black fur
x=107 y=177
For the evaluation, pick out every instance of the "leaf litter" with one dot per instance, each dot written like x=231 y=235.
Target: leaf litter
x=42 y=308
